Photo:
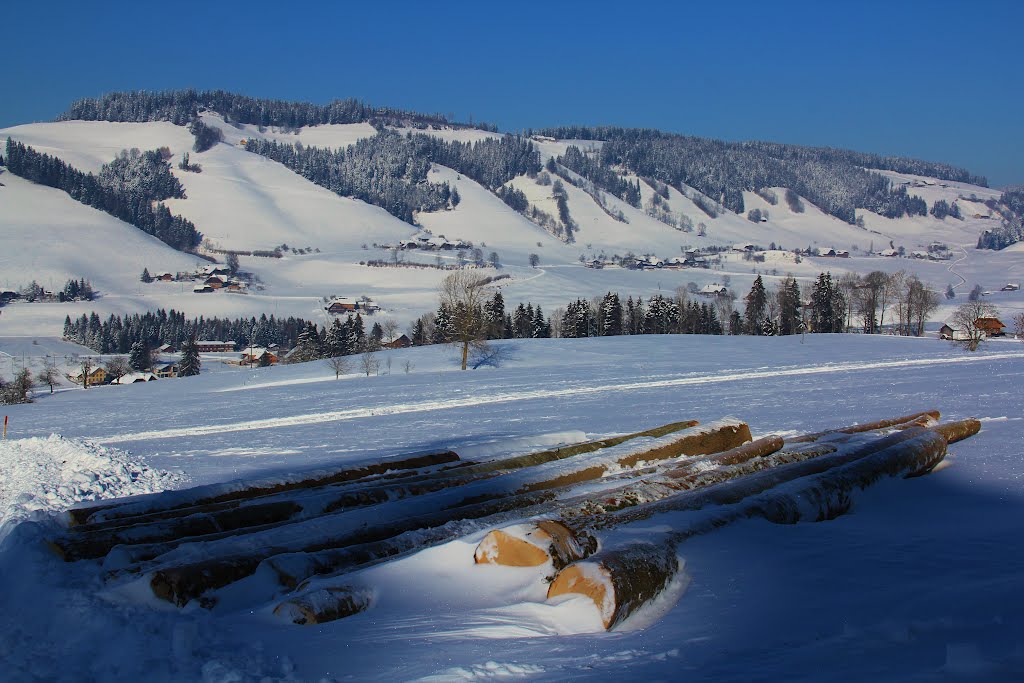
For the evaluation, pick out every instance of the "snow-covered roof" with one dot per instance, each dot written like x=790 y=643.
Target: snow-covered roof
x=133 y=377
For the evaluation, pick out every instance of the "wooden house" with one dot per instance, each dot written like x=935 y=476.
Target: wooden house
x=207 y=346
x=135 y=378
x=257 y=355
x=96 y=376
x=992 y=327
x=342 y=306
x=403 y=342
x=165 y=370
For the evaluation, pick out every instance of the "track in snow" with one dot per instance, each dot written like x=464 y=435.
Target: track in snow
x=427 y=406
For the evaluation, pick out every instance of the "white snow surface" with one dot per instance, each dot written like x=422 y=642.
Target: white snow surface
x=45 y=475
x=920 y=581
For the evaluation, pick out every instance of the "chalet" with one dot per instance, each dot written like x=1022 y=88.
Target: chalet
x=135 y=378
x=164 y=348
x=596 y=264
x=713 y=290
x=202 y=289
x=947 y=332
x=340 y=306
x=96 y=376
x=842 y=253
x=826 y=252
x=743 y=247
x=1010 y=287
x=403 y=342
x=7 y=296
x=214 y=270
x=890 y=253
x=207 y=346
x=923 y=255
x=165 y=370
x=257 y=355
x=992 y=327
x=216 y=281
x=165 y=277
x=368 y=306
x=234 y=286
x=652 y=262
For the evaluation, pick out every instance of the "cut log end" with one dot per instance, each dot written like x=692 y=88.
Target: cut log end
x=533 y=545
x=590 y=580
x=324 y=605
x=958 y=431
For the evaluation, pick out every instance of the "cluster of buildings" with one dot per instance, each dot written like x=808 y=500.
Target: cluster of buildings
x=439 y=243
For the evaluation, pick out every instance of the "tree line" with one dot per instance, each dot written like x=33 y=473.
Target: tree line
x=131 y=188
x=152 y=329
x=180 y=107
x=835 y=180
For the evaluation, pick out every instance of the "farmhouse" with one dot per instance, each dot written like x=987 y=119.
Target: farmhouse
x=135 y=378
x=1010 y=287
x=96 y=376
x=340 y=306
x=165 y=370
x=713 y=290
x=257 y=355
x=207 y=346
x=403 y=342
x=202 y=289
x=992 y=327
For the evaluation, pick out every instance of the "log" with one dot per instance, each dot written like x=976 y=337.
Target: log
x=532 y=545
x=202 y=495
x=919 y=418
x=324 y=604
x=165 y=530
x=619 y=581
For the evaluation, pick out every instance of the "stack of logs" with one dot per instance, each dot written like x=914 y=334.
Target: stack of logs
x=302 y=537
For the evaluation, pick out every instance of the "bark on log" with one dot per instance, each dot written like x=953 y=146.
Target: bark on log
x=160 y=503
x=921 y=417
x=619 y=581
x=323 y=605
x=216 y=520
x=622 y=581
x=184 y=582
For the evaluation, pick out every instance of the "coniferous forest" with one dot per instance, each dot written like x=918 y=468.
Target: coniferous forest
x=126 y=189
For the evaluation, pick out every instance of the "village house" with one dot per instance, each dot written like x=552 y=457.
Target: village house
x=207 y=346
x=135 y=378
x=403 y=342
x=257 y=355
x=216 y=281
x=341 y=306
x=992 y=327
x=202 y=289
x=165 y=370
x=1010 y=287
x=96 y=377
x=713 y=290
x=165 y=277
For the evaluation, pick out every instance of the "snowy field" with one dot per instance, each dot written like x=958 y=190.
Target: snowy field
x=920 y=582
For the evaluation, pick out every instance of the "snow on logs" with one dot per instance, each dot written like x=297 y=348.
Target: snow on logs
x=324 y=604
x=180 y=503
x=328 y=553
x=621 y=580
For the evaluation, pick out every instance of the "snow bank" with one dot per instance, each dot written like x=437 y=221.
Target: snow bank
x=49 y=474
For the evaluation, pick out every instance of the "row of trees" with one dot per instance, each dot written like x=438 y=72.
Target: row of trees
x=1011 y=230
x=183 y=106
x=153 y=329
x=835 y=180
x=126 y=189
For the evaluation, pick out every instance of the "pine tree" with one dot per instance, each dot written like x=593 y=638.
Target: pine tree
x=190 y=362
x=757 y=302
x=541 y=328
x=611 y=315
x=139 y=357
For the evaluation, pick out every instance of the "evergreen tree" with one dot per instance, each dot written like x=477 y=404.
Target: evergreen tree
x=610 y=323
x=307 y=346
x=757 y=303
x=139 y=357
x=146 y=277
x=789 y=306
x=541 y=328
x=190 y=362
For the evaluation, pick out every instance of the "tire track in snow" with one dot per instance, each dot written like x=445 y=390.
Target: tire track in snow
x=509 y=397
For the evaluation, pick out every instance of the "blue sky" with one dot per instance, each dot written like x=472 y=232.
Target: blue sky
x=937 y=80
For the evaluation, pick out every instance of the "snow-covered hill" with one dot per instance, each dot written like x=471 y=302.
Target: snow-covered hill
x=242 y=201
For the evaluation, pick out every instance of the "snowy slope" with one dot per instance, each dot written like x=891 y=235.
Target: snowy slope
x=919 y=582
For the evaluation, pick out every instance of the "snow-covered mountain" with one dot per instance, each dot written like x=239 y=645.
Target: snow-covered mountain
x=245 y=202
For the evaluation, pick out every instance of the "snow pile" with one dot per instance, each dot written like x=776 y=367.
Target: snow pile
x=50 y=474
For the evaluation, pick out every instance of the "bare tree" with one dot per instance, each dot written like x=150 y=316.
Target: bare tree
x=1018 y=326
x=965 y=321
x=117 y=367
x=370 y=363
x=390 y=328
x=408 y=366
x=48 y=375
x=340 y=364
x=462 y=293
x=921 y=303
x=86 y=363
